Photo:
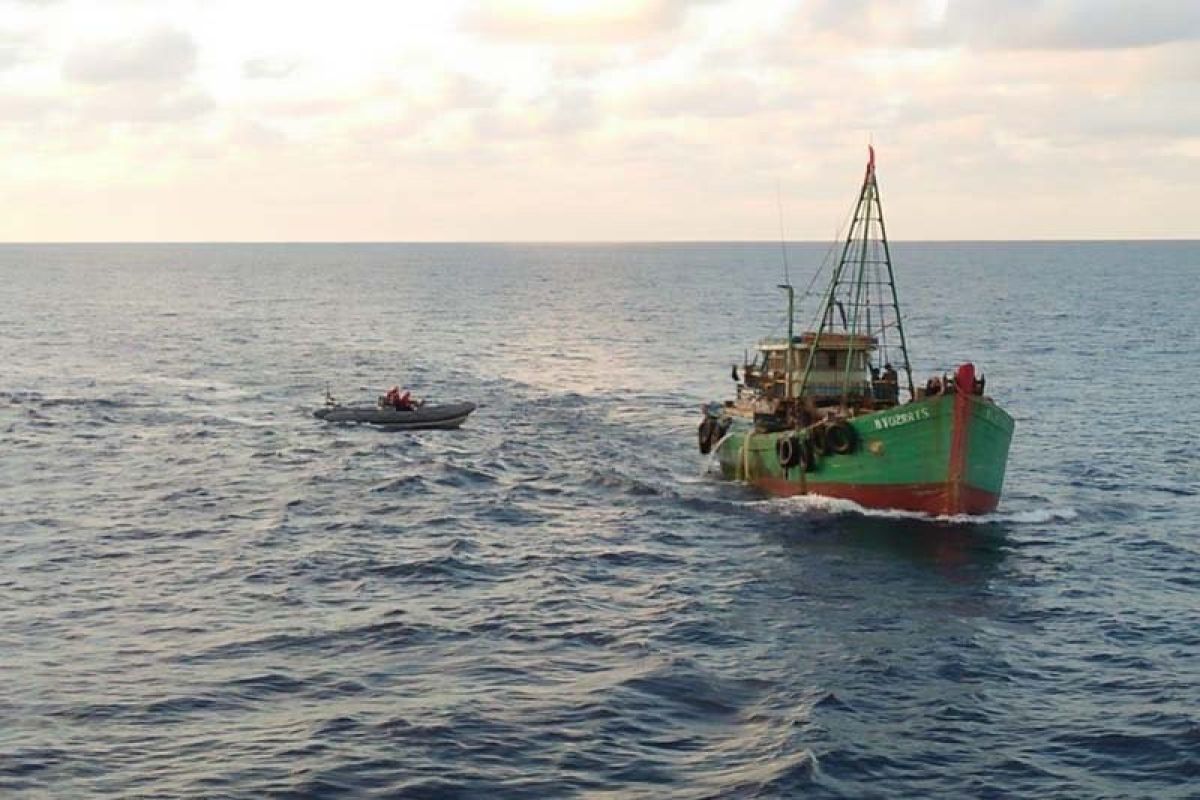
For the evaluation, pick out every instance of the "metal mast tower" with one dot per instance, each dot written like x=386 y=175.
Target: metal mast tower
x=861 y=299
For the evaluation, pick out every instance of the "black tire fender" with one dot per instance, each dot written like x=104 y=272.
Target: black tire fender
x=806 y=461
x=787 y=449
x=816 y=435
x=841 y=438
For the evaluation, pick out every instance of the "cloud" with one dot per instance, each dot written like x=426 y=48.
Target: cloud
x=1012 y=25
x=160 y=56
x=625 y=119
x=464 y=91
x=587 y=62
x=1072 y=24
x=146 y=78
x=25 y=108
x=714 y=97
x=560 y=114
x=269 y=68
x=586 y=21
x=254 y=136
x=571 y=111
x=146 y=104
x=15 y=48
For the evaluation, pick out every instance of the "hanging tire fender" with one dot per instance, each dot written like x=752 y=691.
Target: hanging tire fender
x=807 y=460
x=794 y=451
x=816 y=435
x=841 y=438
x=787 y=449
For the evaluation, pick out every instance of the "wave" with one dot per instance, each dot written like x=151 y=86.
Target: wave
x=624 y=483
x=42 y=401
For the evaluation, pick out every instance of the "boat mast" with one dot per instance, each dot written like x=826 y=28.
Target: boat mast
x=852 y=289
x=787 y=366
x=891 y=280
x=830 y=302
x=791 y=294
x=859 y=283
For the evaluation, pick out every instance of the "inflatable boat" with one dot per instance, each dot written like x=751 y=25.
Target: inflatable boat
x=425 y=417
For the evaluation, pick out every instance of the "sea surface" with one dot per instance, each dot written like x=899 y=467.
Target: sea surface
x=207 y=593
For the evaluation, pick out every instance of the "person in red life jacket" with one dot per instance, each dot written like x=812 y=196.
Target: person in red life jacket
x=401 y=401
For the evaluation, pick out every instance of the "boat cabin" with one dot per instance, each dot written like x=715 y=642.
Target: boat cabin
x=842 y=371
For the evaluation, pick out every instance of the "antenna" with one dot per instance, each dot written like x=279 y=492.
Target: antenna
x=787 y=278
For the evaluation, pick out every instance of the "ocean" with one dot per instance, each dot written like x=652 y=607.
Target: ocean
x=206 y=592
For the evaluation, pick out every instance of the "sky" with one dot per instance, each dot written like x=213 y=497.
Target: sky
x=596 y=120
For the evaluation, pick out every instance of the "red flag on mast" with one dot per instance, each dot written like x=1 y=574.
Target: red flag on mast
x=871 y=161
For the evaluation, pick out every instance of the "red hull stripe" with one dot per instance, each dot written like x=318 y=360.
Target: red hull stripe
x=927 y=498
x=958 y=447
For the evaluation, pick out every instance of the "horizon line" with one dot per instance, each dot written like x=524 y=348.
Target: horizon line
x=1148 y=239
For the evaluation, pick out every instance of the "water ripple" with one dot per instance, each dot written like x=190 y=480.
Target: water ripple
x=209 y=593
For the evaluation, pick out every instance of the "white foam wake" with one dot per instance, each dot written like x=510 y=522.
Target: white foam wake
x=812 y=503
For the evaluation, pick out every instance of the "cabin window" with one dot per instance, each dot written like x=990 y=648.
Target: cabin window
x=831 y=359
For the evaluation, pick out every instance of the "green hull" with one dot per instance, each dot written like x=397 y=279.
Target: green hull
x=943 y=455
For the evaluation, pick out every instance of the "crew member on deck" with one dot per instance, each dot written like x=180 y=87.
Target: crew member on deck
x=399 y=401
x=891 y=385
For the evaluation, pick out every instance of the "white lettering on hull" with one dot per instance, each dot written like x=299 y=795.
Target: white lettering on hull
x=903 y=418
x=994 y=416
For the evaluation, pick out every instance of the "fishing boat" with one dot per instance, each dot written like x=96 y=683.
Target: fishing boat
x=418 y=416
x=834 y=410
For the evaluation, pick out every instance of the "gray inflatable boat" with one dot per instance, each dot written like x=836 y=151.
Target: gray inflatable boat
x=427 y=417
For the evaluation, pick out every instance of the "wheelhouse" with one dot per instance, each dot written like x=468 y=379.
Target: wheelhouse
x=842 y=371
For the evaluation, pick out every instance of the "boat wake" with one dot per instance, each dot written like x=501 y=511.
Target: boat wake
x=812 y=504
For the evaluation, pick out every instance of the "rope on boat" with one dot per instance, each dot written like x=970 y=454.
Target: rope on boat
x=746 y=456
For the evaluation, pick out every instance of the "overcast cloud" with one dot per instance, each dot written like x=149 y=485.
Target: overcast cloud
x=152 y=57
x=596 y=119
